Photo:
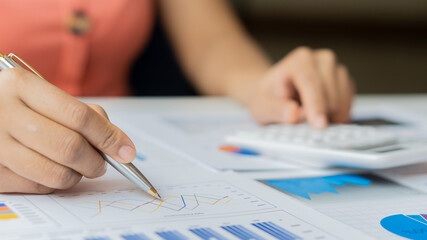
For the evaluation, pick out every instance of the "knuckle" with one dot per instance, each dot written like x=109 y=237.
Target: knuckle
x=79 y=115
x=62 y=178
x=98 y=171
x=308 y=80
x=327 y=55
x=304 y=51
x=72 y=145
x=99 y=110
x=110 y=138
x=97 y=107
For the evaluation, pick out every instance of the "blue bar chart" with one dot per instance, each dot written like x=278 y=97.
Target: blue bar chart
x=253 y=231
x=260 y=226
x=139 y=236
x=276 y=231
x=242 y=232
x=207 y=234
x=172 y=235
x=305 y=187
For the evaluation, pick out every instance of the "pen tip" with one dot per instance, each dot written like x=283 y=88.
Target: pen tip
x=154 y=193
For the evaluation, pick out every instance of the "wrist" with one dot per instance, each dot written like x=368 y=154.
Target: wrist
x=242 y=88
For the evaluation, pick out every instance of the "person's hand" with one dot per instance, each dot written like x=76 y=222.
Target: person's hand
x=48 y=139
x=305 y=85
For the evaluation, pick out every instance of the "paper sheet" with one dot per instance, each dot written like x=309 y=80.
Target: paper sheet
x=193 y=200
x=197 y=203
x=372 y=202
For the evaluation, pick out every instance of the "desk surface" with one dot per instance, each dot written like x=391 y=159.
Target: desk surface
x=413 y=102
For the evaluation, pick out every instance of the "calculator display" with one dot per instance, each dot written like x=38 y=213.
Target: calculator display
x=376 y=122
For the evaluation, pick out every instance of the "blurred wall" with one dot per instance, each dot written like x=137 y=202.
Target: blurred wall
x=383 y=42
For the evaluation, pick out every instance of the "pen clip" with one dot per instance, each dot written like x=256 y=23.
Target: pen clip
x=12 y=56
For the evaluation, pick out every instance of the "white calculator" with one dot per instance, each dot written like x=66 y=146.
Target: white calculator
x=339 y=145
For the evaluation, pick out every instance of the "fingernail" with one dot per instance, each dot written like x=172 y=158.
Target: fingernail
x=127 y=153
x=320 y=121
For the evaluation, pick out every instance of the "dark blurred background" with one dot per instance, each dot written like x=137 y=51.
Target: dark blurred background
x=383 y=42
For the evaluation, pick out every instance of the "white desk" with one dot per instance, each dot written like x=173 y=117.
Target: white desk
x=415 y=102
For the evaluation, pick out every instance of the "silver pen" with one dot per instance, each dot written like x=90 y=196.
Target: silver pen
x=126 y=169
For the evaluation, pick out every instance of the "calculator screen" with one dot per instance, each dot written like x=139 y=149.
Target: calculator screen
x=375 y=122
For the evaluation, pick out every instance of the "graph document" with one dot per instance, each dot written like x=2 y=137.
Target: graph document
x=197 y=203
x=203 y=199
x=384 y=205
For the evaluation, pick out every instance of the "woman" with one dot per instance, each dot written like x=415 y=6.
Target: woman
x=85 y=47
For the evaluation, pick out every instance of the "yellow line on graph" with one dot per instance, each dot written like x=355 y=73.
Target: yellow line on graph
x=218 y=201
x=99 y=209
x=160 y=204
x=129 y=205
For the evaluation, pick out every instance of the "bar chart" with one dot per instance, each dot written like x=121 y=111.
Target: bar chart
x=17 y=212
x=245 y=227
x=6 y=213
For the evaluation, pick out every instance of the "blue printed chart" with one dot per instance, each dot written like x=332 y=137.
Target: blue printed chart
x=303 y=187
x=408 y=226
x=262 y=226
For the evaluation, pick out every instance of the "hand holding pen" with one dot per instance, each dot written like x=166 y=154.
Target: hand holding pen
x=50 y=139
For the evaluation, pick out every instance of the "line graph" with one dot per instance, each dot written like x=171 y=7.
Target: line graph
x=190 y=202
x=199 y=199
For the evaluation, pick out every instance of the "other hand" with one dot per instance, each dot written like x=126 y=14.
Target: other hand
x=305 y=85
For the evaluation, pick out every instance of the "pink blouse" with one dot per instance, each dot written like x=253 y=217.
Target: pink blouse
x=84 y=47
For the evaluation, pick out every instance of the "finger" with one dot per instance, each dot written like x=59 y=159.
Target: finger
x=64 y=109
x=304 y=74
x=326 y=65
x=56 y=142
x=346 y=90
x=35 y=167
x=100 y=110
x=11 y=182
x=272 y=110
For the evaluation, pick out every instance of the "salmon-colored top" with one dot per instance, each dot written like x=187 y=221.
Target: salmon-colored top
x=91 y=62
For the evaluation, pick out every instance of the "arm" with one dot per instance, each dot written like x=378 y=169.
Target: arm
x=214 y=49
x=220 y=58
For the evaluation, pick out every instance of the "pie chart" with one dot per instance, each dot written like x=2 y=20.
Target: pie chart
x=408 y=226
